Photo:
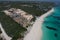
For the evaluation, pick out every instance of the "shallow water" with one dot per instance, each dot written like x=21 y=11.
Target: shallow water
x=51 y=26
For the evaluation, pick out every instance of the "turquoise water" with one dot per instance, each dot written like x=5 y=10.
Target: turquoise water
x=51 y=26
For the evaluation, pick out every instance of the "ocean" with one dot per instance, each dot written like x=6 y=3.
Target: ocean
x=51 y=25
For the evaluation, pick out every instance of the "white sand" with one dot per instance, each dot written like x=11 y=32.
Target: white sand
x=4 y=33
x=36 y=31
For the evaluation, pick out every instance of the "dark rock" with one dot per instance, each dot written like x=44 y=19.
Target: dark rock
x=55 y=34
x=51 y=28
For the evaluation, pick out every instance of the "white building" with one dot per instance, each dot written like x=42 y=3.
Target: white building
x=19 y=16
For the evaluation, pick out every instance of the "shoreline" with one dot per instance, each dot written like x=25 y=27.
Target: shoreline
x=36 y=30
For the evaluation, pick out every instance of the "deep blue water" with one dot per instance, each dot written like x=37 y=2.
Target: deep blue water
x=51 y=26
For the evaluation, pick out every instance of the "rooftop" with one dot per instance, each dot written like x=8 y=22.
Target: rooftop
x=19 y=16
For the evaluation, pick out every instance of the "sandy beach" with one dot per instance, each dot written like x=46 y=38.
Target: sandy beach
x=36 y=31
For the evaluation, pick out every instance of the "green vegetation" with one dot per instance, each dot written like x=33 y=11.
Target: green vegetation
x=12 y=28
x=0 y=31
x=37 y=9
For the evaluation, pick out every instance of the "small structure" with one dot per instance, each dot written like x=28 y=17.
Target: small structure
x=19 y=16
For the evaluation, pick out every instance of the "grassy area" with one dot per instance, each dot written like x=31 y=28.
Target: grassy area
x=12 y=28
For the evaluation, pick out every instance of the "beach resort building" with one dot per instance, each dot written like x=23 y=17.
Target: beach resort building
x=20 y=16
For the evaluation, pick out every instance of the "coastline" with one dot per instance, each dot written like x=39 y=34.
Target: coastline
x=36 y=31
